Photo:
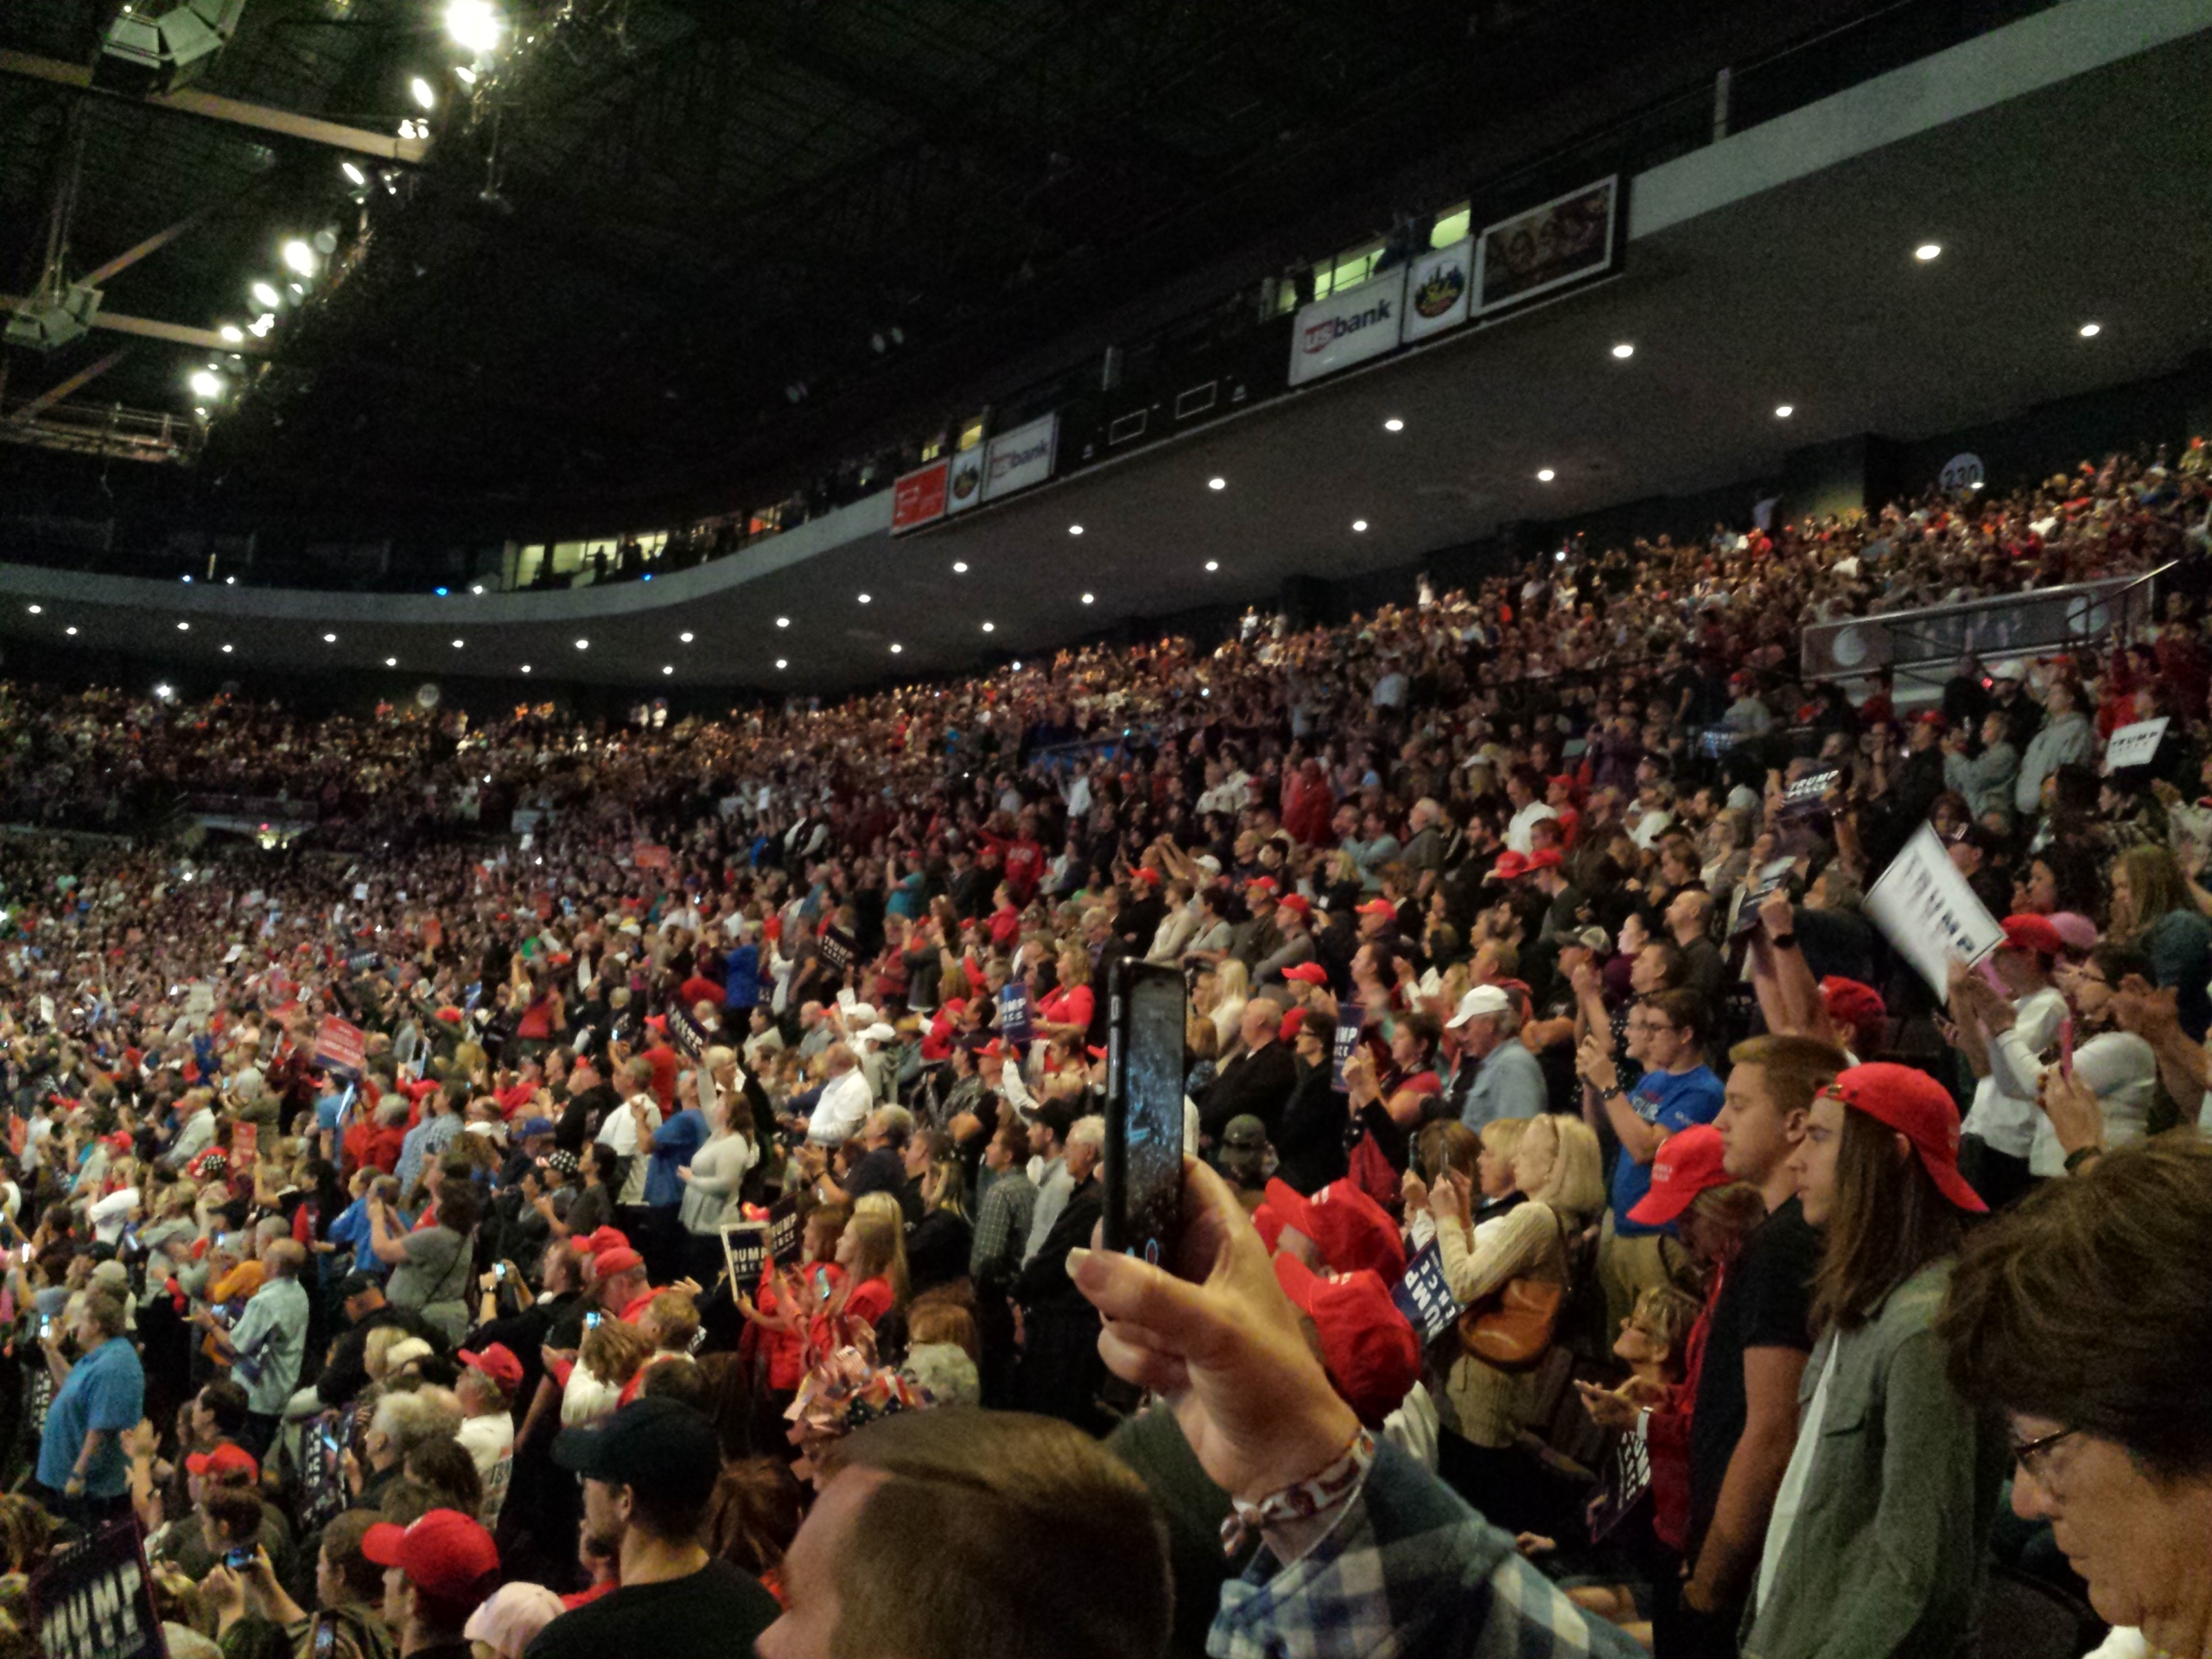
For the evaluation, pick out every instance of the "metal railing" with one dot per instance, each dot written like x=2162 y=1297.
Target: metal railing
x=2004 y=624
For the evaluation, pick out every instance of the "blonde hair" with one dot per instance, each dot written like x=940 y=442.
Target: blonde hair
x=1576 y=1184
x=879 y=1244
x=613 y=1350
x=1234 y=980
x=1501 y=1137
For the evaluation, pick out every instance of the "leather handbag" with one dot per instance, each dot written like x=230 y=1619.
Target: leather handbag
x=1512 y=1327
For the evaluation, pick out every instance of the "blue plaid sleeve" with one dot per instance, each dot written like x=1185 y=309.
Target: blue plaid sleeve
x=1408 y=1569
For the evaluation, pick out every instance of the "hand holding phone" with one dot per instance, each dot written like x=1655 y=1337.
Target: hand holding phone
x=239 y=1559
x=1144 y=1111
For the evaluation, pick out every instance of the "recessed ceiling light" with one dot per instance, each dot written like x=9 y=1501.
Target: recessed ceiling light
x=1217 y=483
x=231 y=333
x=668 y=668
x=329 y=638
x=1075 y=529
x=896 y=648
x=685 y=637
x=72 y=631
x=230 y=581
x=1926 y=252
x=988 y=627
x=228 y=650
x=783 y=621
x=865 y=599
x=188 y=582
x=476 y=588
x=389 y=661
x=456 y=644
x=960 y=567
x=526 y=668
x=1783 y=411
x=1393 y=424
x=34 y=609
x=1544 y=475
x=780 y=663
x=184 y=628
x=1086 y=599
x=2091 y=330
x=1358 y=524
x=1624 y=351
x=1213 y=564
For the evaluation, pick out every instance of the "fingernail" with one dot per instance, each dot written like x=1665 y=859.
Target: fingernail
x=1076 y=1259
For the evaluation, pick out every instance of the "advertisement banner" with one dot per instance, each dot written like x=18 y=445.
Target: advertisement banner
x=1014 y=461
x=1926 y=910
x=963 y=480
x=1439 y=287
x=1348 y=326
x=651 y=855
x=1567 y=239
x=917 y=497
x=338 y=1047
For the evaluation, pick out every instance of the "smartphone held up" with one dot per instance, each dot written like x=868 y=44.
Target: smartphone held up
x=1144 y=1111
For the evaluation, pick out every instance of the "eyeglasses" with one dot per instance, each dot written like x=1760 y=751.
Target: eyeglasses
x=2032 y=1455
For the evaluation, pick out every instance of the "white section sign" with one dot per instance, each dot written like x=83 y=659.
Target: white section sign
x=2133 y=746
x=1350 y=326
x=1014 y=461
x=1961 y=472
x=1438 y=287
x=963 y=480
x=1929 y=914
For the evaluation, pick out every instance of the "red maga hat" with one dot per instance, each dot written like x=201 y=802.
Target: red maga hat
x=1921 y=1109
x=1370 y=1353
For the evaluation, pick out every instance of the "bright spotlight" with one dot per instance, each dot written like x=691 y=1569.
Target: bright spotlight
x=267 y=295
x=583 y=644
x=329 y=638
x=392 y=662
x=1783 y=411
x=990 y=627
x=424 y=95
x=353 y=175
x=1928 y=251
x=685 y=637
x=164 y=692
x=1623 y=351
x=456 y=644
x=896 y=648
x=668 y=668
x=2091 y=330
x=1359 y=527
x=1213 y=564
x=781 y=663
x=299 y=257
x=1087 y=597
x=260 y=326
x=206 y=382
x=1545 y=474
x=1217 y=483
x=475 y=25
x=783 y=621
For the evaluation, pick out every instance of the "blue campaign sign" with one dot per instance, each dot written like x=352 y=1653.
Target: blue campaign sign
x=1350 y=1024
x=1424 y=1295
x=1017 y=1024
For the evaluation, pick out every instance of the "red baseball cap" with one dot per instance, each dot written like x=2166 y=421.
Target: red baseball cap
x=1929 y=717
x=1297 y=901
x=1292 y=1022
x=1310 y=973
x=1921 y=1109
x=498 y=1361
x=1371 y=1355
x=1858 y=1006
x=2033 y=933
x=1261 y=884
x=1148 y=874
x=1544 y=858
x=1379 y=907
x=1350 y=1228
x=445 y=1553
x=606 y=1238
x=224 y=1460
x=620 y=1259
x=1686 y=1163
x=1511 y=866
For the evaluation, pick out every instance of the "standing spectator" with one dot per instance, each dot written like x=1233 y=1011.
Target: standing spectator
x=99 y=1395
x=268 y=1344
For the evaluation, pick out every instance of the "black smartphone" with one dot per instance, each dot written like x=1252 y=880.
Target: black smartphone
x=325 y=1635
x=239 y=1559
x=591 y=1321
x=1144 y=1110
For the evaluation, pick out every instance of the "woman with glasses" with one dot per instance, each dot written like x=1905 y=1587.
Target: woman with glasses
x=1877 y=1540
x=2085 y=1318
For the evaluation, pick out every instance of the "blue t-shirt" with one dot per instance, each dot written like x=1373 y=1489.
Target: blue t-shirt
x=673 y=1143
x=1676 y=1102
x=106 y=1389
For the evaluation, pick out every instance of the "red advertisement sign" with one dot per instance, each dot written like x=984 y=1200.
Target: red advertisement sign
x=338 y=1046
x=651 y=855
x=918 y=498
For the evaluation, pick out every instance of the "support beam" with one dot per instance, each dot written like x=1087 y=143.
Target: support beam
x=209 y=106
x=54 y=394
x=147 y=328
x=152 y=244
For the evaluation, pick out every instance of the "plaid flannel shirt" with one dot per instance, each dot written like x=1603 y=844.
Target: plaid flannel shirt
x=1408 y=1569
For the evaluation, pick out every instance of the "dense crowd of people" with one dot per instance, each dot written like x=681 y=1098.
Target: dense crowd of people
x=638 y=1191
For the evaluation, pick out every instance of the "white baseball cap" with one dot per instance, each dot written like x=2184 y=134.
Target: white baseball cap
x=1482 y=999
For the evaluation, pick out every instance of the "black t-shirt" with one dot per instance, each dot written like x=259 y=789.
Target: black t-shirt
x=884 y=1171
x=1766 y=1303
x=713 y=1613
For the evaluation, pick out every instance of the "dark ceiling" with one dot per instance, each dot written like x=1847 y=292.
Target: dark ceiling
x=702 y=203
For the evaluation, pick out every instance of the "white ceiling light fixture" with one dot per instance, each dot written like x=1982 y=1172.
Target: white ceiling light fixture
x=389 y=661
x=298 y=257
x=2091 y=330
x=1359 y=527
x=1213 y=564
x=424 y=93
x=34 y=609
x=583 y=644
x=267 y=295
x=206 y=384
x=329 y=638
x=1075 y=529
x=685 y=637
x=783 y=621
x=668 y=668
x=1545 y=474
x=1624 y=351
x=1393 y=424
x=959 y=569
x=781 y=663
x=456 y=644
x=1783 y=411
x=231 y=333
x=476 y=587
x=353 y=175
x=1928 y=252
x=476 y=25
x=1087 y=598
x=896 y=647
x=526 y=668
x=1217 y=483
x=260 y=326
x=184 y=628
x=72 y=632
x=988 y=627
x=228 y=650
x=464 y=74
x=866 y=599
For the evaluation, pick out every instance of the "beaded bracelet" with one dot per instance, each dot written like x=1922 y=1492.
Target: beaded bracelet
x=1317 y=1494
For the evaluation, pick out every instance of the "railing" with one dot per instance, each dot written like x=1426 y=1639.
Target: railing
x=2007 y=625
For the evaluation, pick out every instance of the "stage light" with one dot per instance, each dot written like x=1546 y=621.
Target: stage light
x=456 y=644
x=72 y=632
x=783 y=621
x=583 y=644
x=780 y=663
x=464 y=74
x=184 y=628
x=228 y=650
x=1927 y=252
x=440 y=591
x=526 y=668
x=896 y=648
x=206 y=382
x=1359 y=527
x=353 y=175
x=231 y=333
x=424 y=95
x=685 y=637
x=267 y=295
x=164 y=692
x=329 y=638
x=476 y=587
x=1213 y=564
x=1075 y=529
x=34 y=609
x=990 y=627
x=260 y=326
x=475 y=25
x=1783 y=411
x=1217 y=483
x=1087 y=597
x=668 y=668
x=392 y=662
x=865 y=599
x=1393 y=424
x=960 y=567
x=299 y=257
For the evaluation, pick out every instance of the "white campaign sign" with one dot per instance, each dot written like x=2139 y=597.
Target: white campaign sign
x=1348 y=326
x=1018 y=459
x=2133 y=746
x=1961 y=472
x=1929 y=914
x=1438 y=285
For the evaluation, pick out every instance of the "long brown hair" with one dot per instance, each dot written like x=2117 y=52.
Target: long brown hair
x=1888 y=1222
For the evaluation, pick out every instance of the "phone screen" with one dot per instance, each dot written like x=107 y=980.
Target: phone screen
x=239 y=1558
x=591 y=1321
x=326 y=1637
x=1144 y=1111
